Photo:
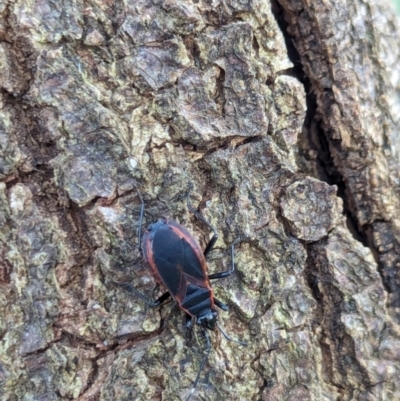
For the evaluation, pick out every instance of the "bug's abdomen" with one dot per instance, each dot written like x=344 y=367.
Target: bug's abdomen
x=197 y=299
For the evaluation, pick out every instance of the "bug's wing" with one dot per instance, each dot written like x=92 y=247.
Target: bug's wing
x=192 y=258
x=176 y=259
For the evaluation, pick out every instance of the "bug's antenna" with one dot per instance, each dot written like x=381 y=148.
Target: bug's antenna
x=203 y=362
x=140 y=219
x=230 y=338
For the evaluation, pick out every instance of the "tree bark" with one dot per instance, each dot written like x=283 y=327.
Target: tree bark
x=283 y=114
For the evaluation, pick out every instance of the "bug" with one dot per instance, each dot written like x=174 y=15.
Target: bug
x=178 y=263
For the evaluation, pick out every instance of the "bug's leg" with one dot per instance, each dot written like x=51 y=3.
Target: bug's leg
x=230 y=338
x=155 y=290
x=231 y=270
x=221 y=305
x=214 y=238
x=140 y=219
x=189 y=321
x=203 y=362
x=130 y=288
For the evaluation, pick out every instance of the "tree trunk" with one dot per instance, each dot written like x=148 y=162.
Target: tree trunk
x=283 y=114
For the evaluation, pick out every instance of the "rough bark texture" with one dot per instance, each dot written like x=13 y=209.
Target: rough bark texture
x=284 y=116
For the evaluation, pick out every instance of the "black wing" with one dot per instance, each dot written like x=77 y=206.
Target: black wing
x=176 y=258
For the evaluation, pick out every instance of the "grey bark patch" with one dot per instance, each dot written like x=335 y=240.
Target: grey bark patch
x=311 y=208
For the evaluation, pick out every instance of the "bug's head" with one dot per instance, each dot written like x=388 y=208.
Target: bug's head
x=207 y=318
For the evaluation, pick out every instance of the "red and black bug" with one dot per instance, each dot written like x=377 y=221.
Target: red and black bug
x=177 y=262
